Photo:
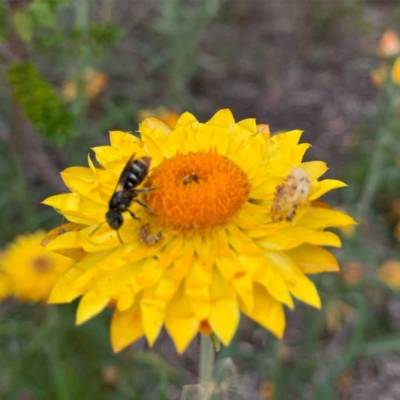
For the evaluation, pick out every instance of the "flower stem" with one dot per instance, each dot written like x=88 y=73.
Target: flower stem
x=206 y=363
x=374 y=174
x=376 y=166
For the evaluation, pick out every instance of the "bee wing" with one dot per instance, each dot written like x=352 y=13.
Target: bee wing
x=123 y=176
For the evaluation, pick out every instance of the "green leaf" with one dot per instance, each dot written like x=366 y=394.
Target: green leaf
x=42 y=15
x=24 y=25
x=41 y=103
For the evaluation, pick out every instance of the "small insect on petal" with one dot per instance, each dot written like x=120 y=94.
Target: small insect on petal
x=290 y=195
x=148 y=238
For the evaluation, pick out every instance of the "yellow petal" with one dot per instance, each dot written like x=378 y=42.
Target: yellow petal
x=154 y=123
x=177 y=138
x=67 y=240
x=63 y=291
x=77 y=208
x=126 y=299
x=268 y=312
x=313 y=259
x=229 y=267
x=264 y=130
x=106 y=154
x=180 y=321
x=199 y=299
x=153 y=305
x=183 y=263
x=276 y=286
x=249 y=124
x=320 y=218
x=156 y=150
x=90 y=305
x=314 y=169
x=78 y=178
x=220 y=140
x=223 y=118
x=224 y=313
x=69 y=251
x=153 y=313
x=150 y=273
x=186 y=119
x=244 y=288
x=115 y=283
x=126 y=327
x=298 y=284
x=283 y=141
x=197 y=289
x=198 y=276
x=171 y=252
x=116 y=136
x=204 y=137
x=322 y=187
x=297 y=153
x=241 y=242
x=293 y=236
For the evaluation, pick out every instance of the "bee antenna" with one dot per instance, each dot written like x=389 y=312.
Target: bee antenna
x=97 y=228
x=119 y=237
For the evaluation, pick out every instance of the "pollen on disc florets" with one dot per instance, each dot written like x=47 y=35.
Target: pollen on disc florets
x=197 y=191
x=41 y=263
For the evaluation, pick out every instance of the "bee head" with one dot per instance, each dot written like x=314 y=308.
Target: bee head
x=114 y=219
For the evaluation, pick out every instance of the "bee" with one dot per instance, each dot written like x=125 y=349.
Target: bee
x=133 y=174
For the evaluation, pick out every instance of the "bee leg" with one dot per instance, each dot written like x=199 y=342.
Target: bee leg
x=144 y=205
x=144 y=190
x=133 y=215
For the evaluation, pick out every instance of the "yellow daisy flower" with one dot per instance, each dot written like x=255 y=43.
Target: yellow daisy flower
x=389 y=273
x=29 y=271
x=233 y=225
x=94 y=83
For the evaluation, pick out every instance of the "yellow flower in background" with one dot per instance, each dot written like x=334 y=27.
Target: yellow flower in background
x=29 y=271
x=94 y=83
x=336 y=314
x=389 y=272
x=236 y=225
x=379 y=75
x=169 y=117
x=266 y=391
x=395 y=73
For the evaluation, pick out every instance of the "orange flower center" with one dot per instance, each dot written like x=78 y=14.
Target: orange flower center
x=197 y=191
x=41 y=263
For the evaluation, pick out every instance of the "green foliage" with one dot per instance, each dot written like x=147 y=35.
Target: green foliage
x=24 y=25
x=44 y=354
x=43 y=14
x=3 y=19
x=180 y=27
x=101 y=36
x=41 y=104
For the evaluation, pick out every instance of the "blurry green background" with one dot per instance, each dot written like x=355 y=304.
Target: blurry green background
x=71 y=70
